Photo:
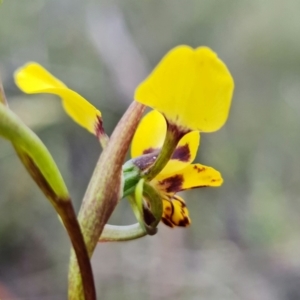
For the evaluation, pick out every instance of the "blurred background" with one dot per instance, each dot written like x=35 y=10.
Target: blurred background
x=244 y=239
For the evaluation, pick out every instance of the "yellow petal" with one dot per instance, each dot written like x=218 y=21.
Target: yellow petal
x=175 y=212
x=191 y=87
x=150 y=136
x=192 y=176
x=32 y=78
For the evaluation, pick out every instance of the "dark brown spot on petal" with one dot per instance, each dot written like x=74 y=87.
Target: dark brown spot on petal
x=145 y=161
x=172 y=205
x=99 y=130
x=184 y=222
x=172 y=184
x=199 y=169
x=150 y=150
x=168 y=209
x=182 y=153
x=198 y=187
x=178 y=131
x=167 y=222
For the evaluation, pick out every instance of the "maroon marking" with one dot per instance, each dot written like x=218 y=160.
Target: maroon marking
x=180 y=201
x=145 y=161
x=148 y=216
x=172 y=184
x=99 y=130
x=150 y=150
x=167 y=222
x=185 y=222
x=199 y=186
x=182 y=153
x=168 y=209
x=177 y=130
x=199 y=169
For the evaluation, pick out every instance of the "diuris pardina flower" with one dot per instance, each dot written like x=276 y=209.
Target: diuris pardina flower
x=179 y=174
x=193 y=89
x=190 y=90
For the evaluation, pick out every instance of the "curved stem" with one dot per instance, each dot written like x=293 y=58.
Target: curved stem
x=42 y=168
x=114 y=233
x=104 y=190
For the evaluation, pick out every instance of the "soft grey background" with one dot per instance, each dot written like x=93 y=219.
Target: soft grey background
x=244 y=240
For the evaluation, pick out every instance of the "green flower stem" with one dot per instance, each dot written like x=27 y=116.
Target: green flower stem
x=41 y=166
x=173 y=137
x=136 y=202
x=104 y=190
x=113 y=233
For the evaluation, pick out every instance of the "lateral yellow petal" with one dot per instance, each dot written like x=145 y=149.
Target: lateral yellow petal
x=32 y=78
x=175 y=212
x=192 y=176
x=198 y=175
x=191 y=87
x=150 y=136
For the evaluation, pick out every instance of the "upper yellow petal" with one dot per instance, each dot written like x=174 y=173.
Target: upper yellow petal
x=32 y=78
x=191 y=87
x=150 y=136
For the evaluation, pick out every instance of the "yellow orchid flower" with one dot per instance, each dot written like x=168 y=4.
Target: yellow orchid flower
x=179 y=174
x=192 y=88
x=32 y=78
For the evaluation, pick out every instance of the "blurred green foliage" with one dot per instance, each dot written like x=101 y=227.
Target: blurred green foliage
x=244 y=238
